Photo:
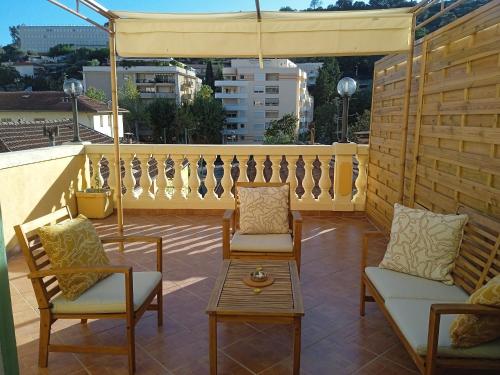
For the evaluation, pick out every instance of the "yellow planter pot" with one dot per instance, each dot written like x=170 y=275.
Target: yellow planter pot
x=95 y=205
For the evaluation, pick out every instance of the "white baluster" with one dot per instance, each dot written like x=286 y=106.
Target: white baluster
x=308 y=181
x=227 y=181
x=111 y=175
x=276 y=160
x=210 y=178
x=324 y=197
x=194 y=179
x=129 y=179
x=292 y=179
x=359 y=199
x=259 y=168
x=243 y=160
x=97 y=179
x=145 y=180
x=178 y=194
x=161 y=179
x=86 y=183
x=342 y=180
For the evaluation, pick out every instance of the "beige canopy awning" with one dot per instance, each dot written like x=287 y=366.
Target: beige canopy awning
x=278 y=34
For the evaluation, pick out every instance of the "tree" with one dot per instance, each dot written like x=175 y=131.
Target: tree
x=209 y=116
x=315 y=4
x=60 y=50
x=9 y=77
x=11 y=53
x=325 y=119
x=130 y=99
x=14 y=34
x=362 y=123
x=162 y=114
x=326 y=83
x=209 y=75
x=282 y=131
x=97 y=94
x=287 y=9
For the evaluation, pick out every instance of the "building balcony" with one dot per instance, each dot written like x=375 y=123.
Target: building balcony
x=235 y=107
x=154 y=95
x=233 y=95
x=237 y=119
x=231 y=83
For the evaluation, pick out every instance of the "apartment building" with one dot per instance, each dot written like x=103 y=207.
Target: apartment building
x=312 y=71
x=171 y=82
x=41 y=38
x=254 y=97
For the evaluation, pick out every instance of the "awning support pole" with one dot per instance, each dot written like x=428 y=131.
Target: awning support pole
x=116 y=134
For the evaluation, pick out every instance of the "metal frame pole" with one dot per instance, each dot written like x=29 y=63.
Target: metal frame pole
x=116 y=134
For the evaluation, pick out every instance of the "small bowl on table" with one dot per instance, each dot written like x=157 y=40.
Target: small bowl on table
x=258 y=276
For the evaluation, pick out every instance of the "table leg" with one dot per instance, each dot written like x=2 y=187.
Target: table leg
x=212 y=321
x=297 y=332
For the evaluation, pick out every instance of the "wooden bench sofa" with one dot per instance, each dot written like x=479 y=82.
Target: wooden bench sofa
x=421 y=311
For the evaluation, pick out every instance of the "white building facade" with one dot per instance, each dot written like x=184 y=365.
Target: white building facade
x=41 y=38
x=253 y=97
x=171 y=82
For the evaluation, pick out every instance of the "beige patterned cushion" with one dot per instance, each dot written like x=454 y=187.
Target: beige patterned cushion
x=424 y=243
x=74 y=243
x=471 y=330
x=263 y=210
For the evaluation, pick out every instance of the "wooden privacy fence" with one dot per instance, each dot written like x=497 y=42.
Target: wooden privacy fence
x=452 y=152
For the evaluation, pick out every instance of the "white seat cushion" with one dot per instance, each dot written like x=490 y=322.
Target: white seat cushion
x=268 y=243
x=412 y=318
x=108 y=295
x=392 y=284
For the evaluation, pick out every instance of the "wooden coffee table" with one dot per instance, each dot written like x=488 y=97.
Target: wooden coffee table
x=234 y=301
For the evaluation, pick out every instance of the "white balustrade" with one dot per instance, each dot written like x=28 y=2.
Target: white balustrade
x=182 y=191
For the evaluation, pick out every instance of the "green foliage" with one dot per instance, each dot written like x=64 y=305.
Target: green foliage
x=205 y=91
x=362 y=123
x=162 y=114
x=14 y=35
x=9 y=77
x=61 y=50
x=10 y=52
x=326 y=83
x=282 y=131
x=287 y=9
x=97 y=94
x=130 y=99
x=209 y=117
x=209 y=76
x=325 y=123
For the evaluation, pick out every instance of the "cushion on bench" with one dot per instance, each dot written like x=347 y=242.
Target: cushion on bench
x=412 y=318
x=268 y=243
x=108 y=295
x=392 y=284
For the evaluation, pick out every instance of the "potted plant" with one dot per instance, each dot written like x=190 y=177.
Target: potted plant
x=95 y=202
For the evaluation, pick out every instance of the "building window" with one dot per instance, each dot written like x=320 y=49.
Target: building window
x=242 y=137
x=272 y=114
x=242 y=126
x=272 y=77
x=6 y=119
x=39 y=119
x=258 y=103
x=270 y=102
x=272 y=89
x=258 y=90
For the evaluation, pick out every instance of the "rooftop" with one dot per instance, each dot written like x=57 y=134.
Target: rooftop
x=48 y=101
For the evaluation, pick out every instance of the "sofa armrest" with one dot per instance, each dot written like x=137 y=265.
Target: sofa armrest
x=367 y=236
x=435 y=313
x=227 y=230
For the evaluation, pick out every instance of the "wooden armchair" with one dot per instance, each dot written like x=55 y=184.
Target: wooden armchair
x=238 y=246
x=122 y=295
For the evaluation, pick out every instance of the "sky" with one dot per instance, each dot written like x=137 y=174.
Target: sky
x=41 y=12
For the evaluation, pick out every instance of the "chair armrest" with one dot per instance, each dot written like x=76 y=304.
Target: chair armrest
x=228 y=228
x=228 y=215
x=126 y=270
x=296 y=216
x=367 y=236
x=70 y=270
x=134 y=239
x=439 y=309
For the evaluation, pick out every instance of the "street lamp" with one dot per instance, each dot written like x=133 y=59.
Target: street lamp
x=346 y=87
x=74 y=88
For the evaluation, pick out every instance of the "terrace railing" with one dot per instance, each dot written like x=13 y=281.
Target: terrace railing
x=322 y=177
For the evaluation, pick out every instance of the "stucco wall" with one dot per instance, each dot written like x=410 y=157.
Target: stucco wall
x=37 y=182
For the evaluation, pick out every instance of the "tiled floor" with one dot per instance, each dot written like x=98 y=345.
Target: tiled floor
x=335 y=340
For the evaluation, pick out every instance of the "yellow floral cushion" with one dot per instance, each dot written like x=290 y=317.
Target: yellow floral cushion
x=468 y=329
x=263 y=210
x=74 y=243
x=424 y=243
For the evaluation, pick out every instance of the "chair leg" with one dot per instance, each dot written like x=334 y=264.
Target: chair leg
x=83 y=321
x=131 y=347
x=362 y=299
x=45 y=325
x=159 y=300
